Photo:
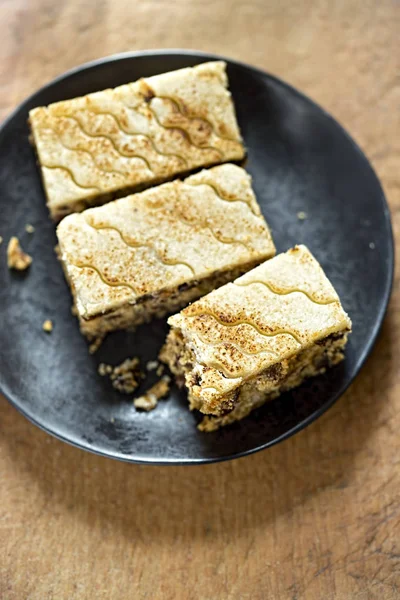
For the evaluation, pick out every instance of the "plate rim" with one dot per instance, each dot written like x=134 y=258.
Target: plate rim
x=385 y=296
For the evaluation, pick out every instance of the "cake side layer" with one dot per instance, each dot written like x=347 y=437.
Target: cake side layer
x=138 y=134
x=280 y=379
x=267 y=385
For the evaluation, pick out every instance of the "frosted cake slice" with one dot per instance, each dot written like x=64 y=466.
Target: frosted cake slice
x=109 y=143
x=153 y=252
x=257 y=337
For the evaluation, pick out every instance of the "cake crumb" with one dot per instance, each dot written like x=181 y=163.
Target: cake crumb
x=160 y=370
x=124 y=377
x=48 y=326
x=16 y=257
x=104 y=369
x=152 y=365
x=95 y=345
x=301 y=215
x=29 y=228
x=147 y=402
x=372 y=245
x=150 y=399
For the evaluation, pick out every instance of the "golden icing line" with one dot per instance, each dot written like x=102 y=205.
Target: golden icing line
x=183 y=112
x=92 y=156
x=128 y=134
x=180 y=129
x=236 y=346
x=237 y=323
x=131 y=244
x=286 y=293
x=125 y=132
x=102 y=277
x=103 y=136
x=227 y=241
x=72 y=176
x=221 y=197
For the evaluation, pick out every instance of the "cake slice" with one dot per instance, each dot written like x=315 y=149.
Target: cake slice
x=257 y=337
x=153 y=252
x=116 y=141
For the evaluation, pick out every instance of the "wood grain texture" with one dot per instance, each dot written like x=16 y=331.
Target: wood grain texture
x=317 y=517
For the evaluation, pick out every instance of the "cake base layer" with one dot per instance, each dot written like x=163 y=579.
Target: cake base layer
x=268 y=385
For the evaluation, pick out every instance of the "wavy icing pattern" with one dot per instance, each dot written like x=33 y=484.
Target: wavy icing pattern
x=270 y=287
x=131 y=134
x=91 y=155
x=207 y=122
x=183 y=131
x=219 y=195
x=72 y=177
x=241 y=322
x=140 y=245
x=103 y=278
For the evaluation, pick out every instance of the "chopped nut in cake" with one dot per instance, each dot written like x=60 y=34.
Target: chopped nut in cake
x=137 y=135
x=153 y=252
x=257 y=337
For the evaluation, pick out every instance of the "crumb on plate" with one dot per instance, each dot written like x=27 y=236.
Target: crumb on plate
x=29 y=228
x=152 y=365
x=124 y=377
x=48 y=326
x=95 y=345
x=150 y=399
x=16 y=257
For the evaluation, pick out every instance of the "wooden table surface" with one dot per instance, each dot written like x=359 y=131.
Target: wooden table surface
x=316 y=517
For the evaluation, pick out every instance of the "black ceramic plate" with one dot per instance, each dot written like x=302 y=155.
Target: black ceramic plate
x=300 y=160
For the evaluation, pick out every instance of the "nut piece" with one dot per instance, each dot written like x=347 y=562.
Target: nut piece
x=16 y=257
x=48 y=326
x=150 y=399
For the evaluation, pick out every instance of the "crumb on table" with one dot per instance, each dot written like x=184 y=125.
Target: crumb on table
x=29 y=228
x=16 y=257
x=301 y=215
x=124 y=377
x=48 y=326
x=150 y=399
